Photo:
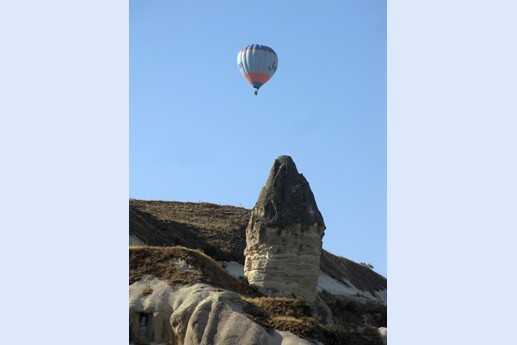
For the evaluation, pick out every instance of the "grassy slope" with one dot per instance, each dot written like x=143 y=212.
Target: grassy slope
x=165 y=263
x=219 y=231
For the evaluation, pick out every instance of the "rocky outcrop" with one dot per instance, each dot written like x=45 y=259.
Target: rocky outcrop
x=195 y=315
x=220 y=231
x=284 y=234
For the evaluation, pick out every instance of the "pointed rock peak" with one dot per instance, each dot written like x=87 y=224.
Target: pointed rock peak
x=287 y=197
x=286 y=163
x=285 y=160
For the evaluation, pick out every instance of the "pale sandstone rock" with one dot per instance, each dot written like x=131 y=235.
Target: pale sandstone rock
x=196 y=315
x=383 y=331
x=284 y=234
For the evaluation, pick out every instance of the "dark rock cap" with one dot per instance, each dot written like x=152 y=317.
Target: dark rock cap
x=287 y=197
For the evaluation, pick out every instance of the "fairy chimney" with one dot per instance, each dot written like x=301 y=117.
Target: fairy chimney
x=284 y=234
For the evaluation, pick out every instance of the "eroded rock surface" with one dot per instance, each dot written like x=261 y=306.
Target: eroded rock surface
x=195 y=315
x=284 y=234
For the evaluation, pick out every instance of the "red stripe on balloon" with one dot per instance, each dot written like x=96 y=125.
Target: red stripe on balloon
x=260 y=77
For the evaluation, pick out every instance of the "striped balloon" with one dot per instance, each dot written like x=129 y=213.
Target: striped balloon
x=257 y=64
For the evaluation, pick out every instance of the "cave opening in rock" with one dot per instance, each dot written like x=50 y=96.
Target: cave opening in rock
x=141 y=330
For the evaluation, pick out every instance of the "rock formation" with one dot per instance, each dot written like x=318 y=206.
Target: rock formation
x=284 y=234
x=221 y=232
x=195 y=315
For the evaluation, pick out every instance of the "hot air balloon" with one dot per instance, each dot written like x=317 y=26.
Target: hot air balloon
x=257 y=64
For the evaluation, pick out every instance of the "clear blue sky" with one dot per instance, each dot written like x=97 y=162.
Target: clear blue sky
x=197 y=132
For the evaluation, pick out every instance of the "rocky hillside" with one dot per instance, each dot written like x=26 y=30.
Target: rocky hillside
x=220 y=232
x=187 y=286
x=182 y=296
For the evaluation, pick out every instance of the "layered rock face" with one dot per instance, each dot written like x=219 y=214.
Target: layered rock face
x=284 y=234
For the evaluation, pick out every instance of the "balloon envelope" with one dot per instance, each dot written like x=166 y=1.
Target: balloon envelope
x=257 y=64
